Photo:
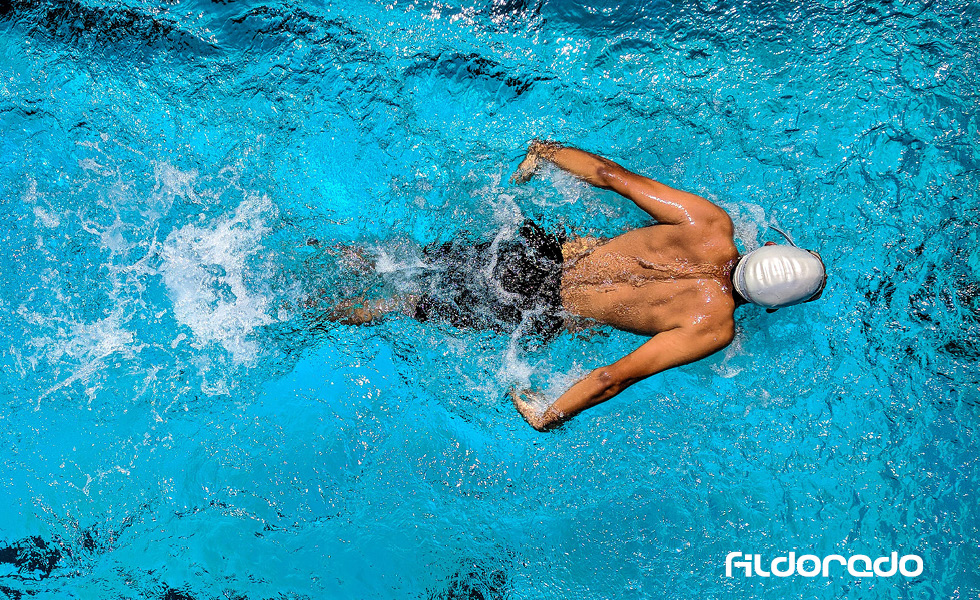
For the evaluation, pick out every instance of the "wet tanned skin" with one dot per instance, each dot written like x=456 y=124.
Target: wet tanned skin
x=670 y=281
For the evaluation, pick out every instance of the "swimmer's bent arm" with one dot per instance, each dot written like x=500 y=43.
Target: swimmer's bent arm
x=661 y=352
x=662 y=202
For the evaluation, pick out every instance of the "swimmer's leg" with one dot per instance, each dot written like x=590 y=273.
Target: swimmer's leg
x=361 y=311
x=354 y=257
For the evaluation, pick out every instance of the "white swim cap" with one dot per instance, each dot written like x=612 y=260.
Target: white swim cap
x=777 y=276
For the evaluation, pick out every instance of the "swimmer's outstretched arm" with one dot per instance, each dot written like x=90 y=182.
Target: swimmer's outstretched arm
x=661 y=352
x=662 y=202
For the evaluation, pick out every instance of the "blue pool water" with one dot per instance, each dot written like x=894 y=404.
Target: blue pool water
x=177 y=423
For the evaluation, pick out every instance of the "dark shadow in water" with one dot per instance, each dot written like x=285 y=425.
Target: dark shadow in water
x=474 y=581
x=76 y=23
x=949 y=299
x=172 y=594
x=946 y=304
x=34 y=557
x=475 y=69
x=11 y=593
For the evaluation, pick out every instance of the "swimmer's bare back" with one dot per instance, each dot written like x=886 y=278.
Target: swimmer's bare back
x=669 y=281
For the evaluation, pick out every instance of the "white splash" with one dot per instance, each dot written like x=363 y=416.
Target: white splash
x=748 y=219
x=514 y=369
x=559 y=383
x=570 y=188
x=47 y=218
x=396 y=257
x=205 y=269
x=87 y=343
x=171 y=183
x=733 y=351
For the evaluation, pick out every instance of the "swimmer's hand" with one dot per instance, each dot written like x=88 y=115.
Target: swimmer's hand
x=532 y=160
x=526 y=403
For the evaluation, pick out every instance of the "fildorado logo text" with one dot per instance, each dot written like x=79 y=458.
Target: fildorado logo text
x=810 y=565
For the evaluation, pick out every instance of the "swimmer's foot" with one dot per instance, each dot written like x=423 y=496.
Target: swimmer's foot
x=528 y=167
x=525 y=401
x=536 y=151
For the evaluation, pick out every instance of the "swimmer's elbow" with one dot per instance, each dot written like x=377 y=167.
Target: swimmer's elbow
x=726 y=335
x=713 y=339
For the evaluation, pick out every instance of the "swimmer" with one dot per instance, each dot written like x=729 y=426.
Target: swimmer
x=678 y=282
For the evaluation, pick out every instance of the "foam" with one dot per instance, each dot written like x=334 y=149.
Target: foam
x=732 y=351
x=514 y=368
x=748 y=219
x=47 y=218
x=558 y=383
x=212 y=270
x=570 y=188
x=506 y=211
x=171 y=183
x=88 y=343
x=396 y=257
x=113 y=237
x=206 y=271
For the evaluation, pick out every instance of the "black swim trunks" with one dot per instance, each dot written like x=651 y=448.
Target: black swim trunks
x=513 y=284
